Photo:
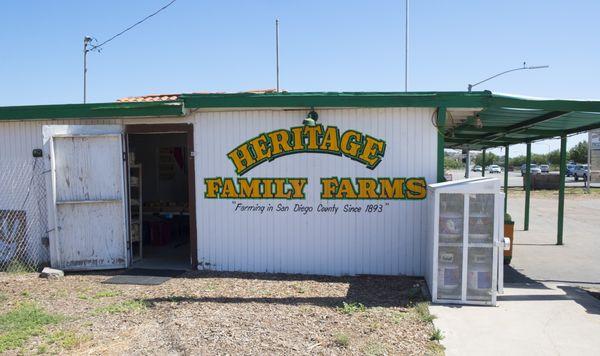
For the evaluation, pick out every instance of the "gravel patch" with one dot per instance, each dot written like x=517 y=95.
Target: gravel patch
x=226 y=313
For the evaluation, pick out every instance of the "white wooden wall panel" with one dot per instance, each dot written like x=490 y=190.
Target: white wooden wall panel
x=17 y=140
x=78 y=160
x=87 y=241
x=391 y=242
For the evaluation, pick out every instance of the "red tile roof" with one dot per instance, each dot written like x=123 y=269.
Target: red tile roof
x=172 y=97
x=149 y=98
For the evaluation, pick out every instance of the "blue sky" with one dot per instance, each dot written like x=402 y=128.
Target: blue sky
x=345 y=45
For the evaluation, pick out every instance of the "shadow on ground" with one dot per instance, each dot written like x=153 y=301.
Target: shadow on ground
x=585 y=298
x=514 y=276
x=371 y=291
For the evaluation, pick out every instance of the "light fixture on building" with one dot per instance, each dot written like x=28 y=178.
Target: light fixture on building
x=478 y=122
x=311 y=118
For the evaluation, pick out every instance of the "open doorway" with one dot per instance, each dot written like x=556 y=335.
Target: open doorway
x=161 y=196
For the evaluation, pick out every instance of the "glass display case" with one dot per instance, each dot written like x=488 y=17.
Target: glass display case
x=465 y=241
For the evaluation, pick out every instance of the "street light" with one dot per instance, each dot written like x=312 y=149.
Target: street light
x=470 y=86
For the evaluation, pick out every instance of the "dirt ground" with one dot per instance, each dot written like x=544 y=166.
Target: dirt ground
x=225 y=313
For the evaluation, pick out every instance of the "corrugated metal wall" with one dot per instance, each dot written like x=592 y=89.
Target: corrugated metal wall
x=391 y=242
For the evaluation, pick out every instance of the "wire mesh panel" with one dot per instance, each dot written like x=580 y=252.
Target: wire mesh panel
x=23 y=223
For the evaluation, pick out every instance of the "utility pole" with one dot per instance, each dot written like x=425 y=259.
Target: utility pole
x=406 y=48
x=86 y=42
x=277 y=52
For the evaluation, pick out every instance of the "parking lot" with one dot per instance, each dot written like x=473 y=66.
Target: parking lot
x=514 y=178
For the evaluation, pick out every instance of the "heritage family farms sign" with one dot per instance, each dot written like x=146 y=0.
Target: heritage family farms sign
x=351 y=144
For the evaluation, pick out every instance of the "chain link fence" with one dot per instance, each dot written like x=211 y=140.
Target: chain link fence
x=23 y=218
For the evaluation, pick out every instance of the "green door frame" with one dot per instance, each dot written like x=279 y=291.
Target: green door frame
x=441 y=124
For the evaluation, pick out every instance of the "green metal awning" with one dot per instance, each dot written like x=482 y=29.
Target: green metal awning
x=473 y=120
x=506 y=120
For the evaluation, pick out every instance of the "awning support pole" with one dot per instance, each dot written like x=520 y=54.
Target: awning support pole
x=483 y=163
x=527 y=185
x=467 y=163
x=441 y=124
x=561 y=188
x=506 y=157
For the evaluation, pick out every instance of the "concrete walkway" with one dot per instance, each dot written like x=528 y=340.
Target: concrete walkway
x=543 y=310
x=530 y=320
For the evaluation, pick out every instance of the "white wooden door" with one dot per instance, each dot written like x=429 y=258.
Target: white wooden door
x=87 y=206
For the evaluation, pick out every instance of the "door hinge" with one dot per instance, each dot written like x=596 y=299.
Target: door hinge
x=192 y=154
x=124 y=156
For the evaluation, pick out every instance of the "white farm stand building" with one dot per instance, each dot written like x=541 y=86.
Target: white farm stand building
x=244 y=182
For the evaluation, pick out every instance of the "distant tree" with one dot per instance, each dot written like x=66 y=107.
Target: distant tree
x=490 y=158
x=554 y=157
x=452 y=163
x=579 y=153
x=538 y=158
x=517 y=161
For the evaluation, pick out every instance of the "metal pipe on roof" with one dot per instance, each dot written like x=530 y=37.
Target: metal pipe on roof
x=277 y=51
x=406 y=48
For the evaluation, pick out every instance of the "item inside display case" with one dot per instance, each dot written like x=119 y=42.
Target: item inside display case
x=481 y=218
x=479 y=274
x=451 y=218
x=449 y=273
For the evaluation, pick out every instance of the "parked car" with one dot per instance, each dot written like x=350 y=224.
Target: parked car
x=545 y=168
x=477 y=168
x=570 y=169
x=533 y=168
x=494 y=168
x=580 y=171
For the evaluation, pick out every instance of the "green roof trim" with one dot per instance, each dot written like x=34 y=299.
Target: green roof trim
x=337 y=99
x=88 y=111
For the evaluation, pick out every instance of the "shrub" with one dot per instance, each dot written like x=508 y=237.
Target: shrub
x=351 y=308
x=342 y=340
x=436 y=335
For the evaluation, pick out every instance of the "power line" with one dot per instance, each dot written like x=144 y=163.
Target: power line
x=97 y=47
x=88 y=47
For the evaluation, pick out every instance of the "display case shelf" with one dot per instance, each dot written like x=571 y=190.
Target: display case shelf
x=135 y=213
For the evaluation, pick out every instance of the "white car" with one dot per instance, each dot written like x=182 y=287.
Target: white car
x=494 y=168
x=580 y=171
